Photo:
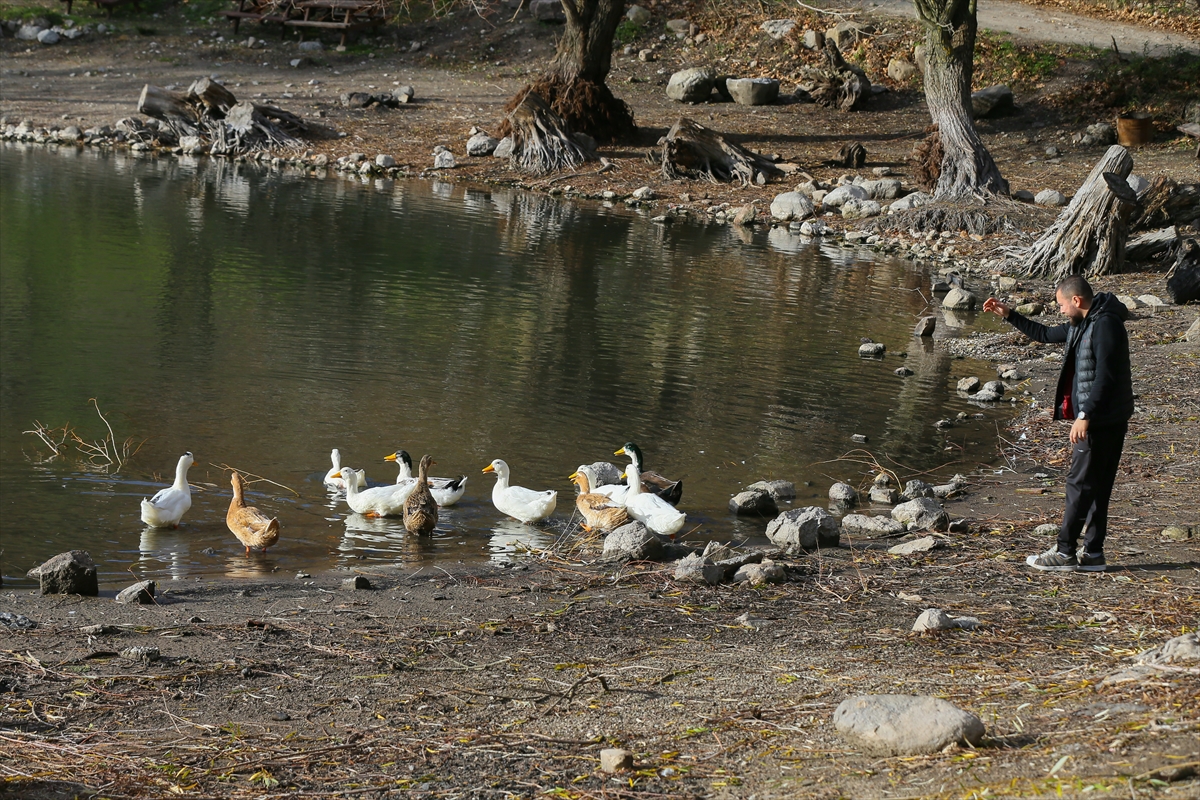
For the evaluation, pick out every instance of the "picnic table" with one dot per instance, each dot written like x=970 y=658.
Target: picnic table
x=346 y=16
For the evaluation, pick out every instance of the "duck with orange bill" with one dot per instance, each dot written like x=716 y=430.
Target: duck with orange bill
x=446 y=491
x=377 y=501
x=667 y=489
x=655 y=513
x=518 y=502
x=600 y=512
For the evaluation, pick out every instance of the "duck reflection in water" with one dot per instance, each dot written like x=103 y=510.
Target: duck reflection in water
x=512 y=540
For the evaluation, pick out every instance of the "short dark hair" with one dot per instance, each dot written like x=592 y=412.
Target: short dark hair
x=1075 y=286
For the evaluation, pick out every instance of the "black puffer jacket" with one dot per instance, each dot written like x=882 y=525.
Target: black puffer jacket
x=1095 y=361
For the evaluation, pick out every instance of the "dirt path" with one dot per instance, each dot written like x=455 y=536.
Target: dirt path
x=1051 y=25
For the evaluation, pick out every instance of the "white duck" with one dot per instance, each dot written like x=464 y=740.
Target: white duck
x=657 y=514
x=616 y=492
x=331 y=478
x=446 y=491
x=168 y=506
x=517 y=501
x=378 y=501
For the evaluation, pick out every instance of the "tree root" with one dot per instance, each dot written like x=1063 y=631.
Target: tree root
x=584 y=105
x=542 y=140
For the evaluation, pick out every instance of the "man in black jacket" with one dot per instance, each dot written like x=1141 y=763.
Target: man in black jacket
x=1095 y=389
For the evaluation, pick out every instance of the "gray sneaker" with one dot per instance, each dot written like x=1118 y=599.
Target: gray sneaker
x=1092 y=563
x=1053 y=561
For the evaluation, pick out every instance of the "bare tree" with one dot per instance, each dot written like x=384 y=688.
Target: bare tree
x=967 y=168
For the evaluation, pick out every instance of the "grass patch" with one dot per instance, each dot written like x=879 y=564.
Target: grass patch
x=998 y=59
x=628 y=31
x=26 y=13
x=1162 y=87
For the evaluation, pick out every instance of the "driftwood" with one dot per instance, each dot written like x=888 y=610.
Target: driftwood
x=691 y=150
x=211 y=113
x=1151 y=244
x=542 y=140
x=1165 y=202
x=1088 y=238
x=852 y=155
x=1183 y=279
x=837 y=84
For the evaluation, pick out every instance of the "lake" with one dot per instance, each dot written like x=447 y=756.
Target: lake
x=260 y=318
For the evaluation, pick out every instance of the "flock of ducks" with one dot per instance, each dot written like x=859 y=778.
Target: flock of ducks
x=604 y=503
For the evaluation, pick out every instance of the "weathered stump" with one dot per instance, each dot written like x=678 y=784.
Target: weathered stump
x=692 y=150
x=211 y=95
x=1183 y=279
x=1088 y=238
x=852 y=155
x=542 y=140
x=169 y=109
x=837 y=84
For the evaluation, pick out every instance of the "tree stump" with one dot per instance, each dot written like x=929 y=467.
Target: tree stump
x=852 y=155
x=838 y=84
x=1165 y=202
x=693 y=151
x=170 y=109
x=542 y=140
x=211 y=95
x=1183 y=279
x=1088 y=238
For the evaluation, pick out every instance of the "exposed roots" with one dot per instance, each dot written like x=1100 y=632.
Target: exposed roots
x=585 y=106
x=542 y=140
x=997 y=216
x=927 y=155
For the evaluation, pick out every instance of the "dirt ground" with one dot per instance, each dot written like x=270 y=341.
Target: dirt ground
x=507 y=682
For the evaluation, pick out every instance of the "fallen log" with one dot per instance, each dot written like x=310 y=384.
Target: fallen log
x=691 y=150
x=211 y=95
x=1088 y=238
x=169 y=109
x=1165 y=202
x=1149 y=245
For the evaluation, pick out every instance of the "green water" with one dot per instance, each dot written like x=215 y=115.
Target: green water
x=260 y=318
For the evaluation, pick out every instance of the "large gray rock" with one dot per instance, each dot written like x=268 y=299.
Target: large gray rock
x=695 y=568
x=48 y=37
x=141 y=592
x=843 y=494
x=910 y=201
x=933 y=619
x=904 y=725
x=692 y=85
x=680 y=27
x=752 y=91
x=638 y=15
x=29 y=33
x=604 y=473
x=958 y=299
x=841 y=194
x=547 y=11
x=901 y=70
x=993 y=101
x=753 y=503
x=814 y=40
x=778 y=28
x=884 y=494
x=871 y=527
x=872 y=349
x=925 y=326
x=861 y=209
x=72 y=572
x=917 y=488
x=481 y=145
x=807 y=528
x=923 y=513
x=846 y=34
x=968 y=385
x=780 y=490
x=632 y=542
x=1051 y=198
x=883 y=189
x=504 y=148
x=443 y=158
x=791 y=206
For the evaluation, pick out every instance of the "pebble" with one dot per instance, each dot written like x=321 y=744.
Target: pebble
x=615 y=759
x=141 y=592
x=357 y=583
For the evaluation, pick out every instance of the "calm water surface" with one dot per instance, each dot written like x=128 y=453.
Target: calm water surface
x=259 y=319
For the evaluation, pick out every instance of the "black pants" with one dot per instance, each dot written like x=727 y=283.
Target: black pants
x=1089 y=486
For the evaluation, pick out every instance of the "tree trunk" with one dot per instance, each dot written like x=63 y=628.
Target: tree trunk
x=169 y=109
x=574 y=85
x=542 y=142
x=212 y=95
x=1088 y=238
x=691 y=150
x=967 y=167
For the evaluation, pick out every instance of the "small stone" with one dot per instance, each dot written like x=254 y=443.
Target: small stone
x=884 y=494
x=1137 y=183
x=778 y=28
x=884 y=189
x=859 y=438
x=861 y=209
x=779 y=490
x=871 y=349
x=646 y=55
x=745 y=216
x=1024 y=195
x=615 y=759
x=547 y=11
x=504 y=148
x=141 y=592
x=760 y=574
x=917 y=488
x=481 y=145
x=147 y=653
x=48 y=37
x=841 y=194
x=753 y=502
x=643 y=193
x=695 y=568
x=1050 y=198
x=1029 y=309
x=357 y=583
x=1053 y=152
x=925 y=326
x=933 y=619
x=922 y=545
x=752 y=91
x=807 y=528
x=1152 y=301
x=814 y=40
x=682 y=28
x=843 y=494
x=904 y=372
x=637 y=15
x=911 y=201
x=384 y=161
x=444 y=160
x=993 y=101
x=311 y=46
x=901 y=70
x=1046 y=531
x=1176 y=533
x=847 y=34
x=922 y=513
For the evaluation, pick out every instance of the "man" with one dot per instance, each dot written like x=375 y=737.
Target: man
x=1095 y=389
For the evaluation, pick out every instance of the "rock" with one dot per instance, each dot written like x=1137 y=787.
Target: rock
x=901 y=70
x=695 y=568
x=141 y=592
x=993 y=101
x=604 y=473
x=872 y=527
x=925 y=326
x=643 y=193
x=807 y=528
x=1137 y=183
x=1152 y=301
x=1029 y=309
x=779 y=490
x=646 y=55
x=48 y=37
x=752 y=91
x=858 y=438
x=933 y=619
x=841 y=194
x=504 y=148
x=917 y=488
x=72 y=572
x=1193 y=333
x=632 y=542
x=384 y=161
x=547 y=11
x=745 y=216
x=753 y=502
x=310 y=46
x=615 y=759
x=16 y=622
x=1050 y=198
x=954 y=487
x=883 y=189
x=682 y=28
x=923 y=513
x=144 y=653
x=1183 y=649
x=404 y=94
x=693 y=85
x=814 y=40
x=922 y=545
x=762 y=573
x=1047 y=531
x=637 y=15
x=909 y=202
x=1175 y=533
x=958 y=299
x=884 y=494
x=861 y=209
x=444 y=159
x=813 y=227
x=481 y=145
x=356 y=99
x=357 y=583
x=904 y=725
x=846 y=34
x=29 y=33
x=778 y=28
x=844 y=494
x=871 y=349
x=191 y=145
x=791 y=206
x=904 y=372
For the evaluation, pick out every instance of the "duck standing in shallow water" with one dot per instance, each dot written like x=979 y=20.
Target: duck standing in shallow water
x=446 y=491
x=168 y=506
x=517 y=501
x=656 y=513
x=378 y=501
x=420 y=509
x=600 y=512
x=252 y=527
x=333 y=480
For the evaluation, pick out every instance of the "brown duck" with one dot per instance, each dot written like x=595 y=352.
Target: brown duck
x=599 y=511
x=420 y=509
x=252 y=527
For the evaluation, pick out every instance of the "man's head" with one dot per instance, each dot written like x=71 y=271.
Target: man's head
x=1074 y=296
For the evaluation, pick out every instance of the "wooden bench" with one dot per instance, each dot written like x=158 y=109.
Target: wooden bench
x=346 y=16
x=1191 y=129
x=257 y=12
